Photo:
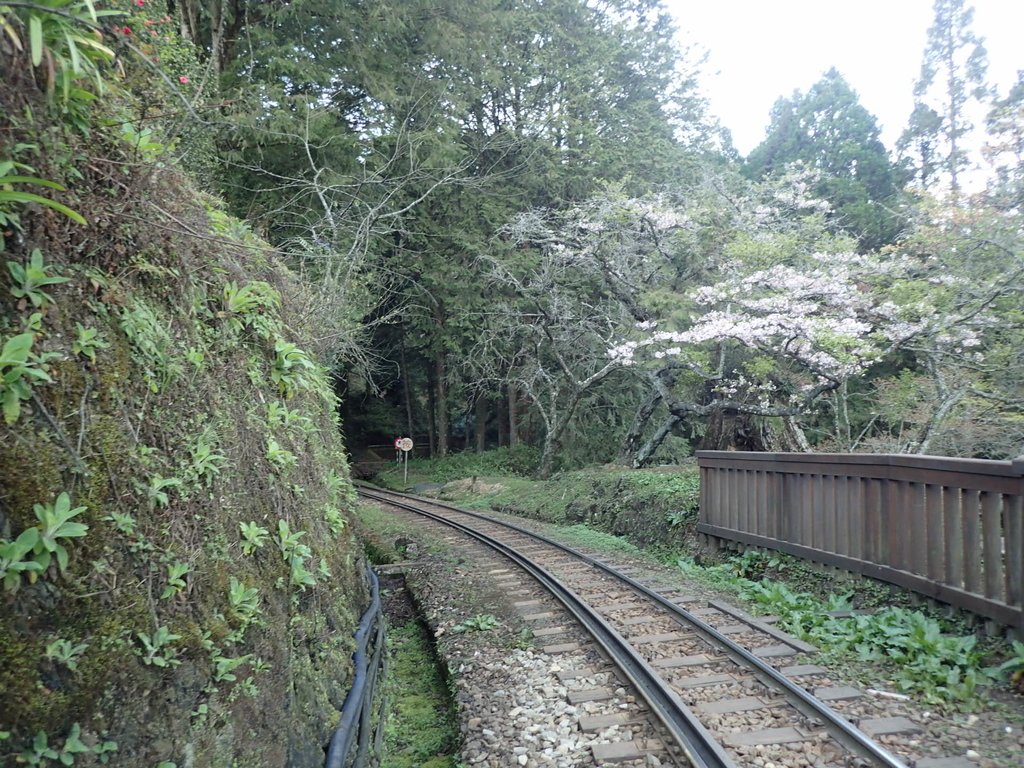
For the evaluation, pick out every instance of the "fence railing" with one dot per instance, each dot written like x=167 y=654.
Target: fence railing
x=952 y=529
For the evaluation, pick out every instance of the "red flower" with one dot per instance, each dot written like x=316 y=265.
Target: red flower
x=140 y=3
x=183 y=80
x=126 y=30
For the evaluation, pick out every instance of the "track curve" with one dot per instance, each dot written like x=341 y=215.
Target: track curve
x=654 y=671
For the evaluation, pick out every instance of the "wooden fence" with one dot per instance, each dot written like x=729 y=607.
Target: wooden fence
x=952 y=529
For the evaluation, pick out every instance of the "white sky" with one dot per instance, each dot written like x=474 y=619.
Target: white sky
x=760 y=50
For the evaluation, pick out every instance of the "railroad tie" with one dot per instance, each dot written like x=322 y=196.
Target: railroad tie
x=685 y=661
x=840 y=693
x=767 y=736
x=884 y=726
x=597 y=723
x=621 y=751
x=590 y=694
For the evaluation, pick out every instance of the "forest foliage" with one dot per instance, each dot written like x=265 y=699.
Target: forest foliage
x=524 y=227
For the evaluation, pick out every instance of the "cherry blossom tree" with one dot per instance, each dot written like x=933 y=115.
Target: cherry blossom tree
x=802 y=333
x=776 y=329
x=569 y=282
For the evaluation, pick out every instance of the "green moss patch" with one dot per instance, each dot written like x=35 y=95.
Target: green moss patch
x=421 y=729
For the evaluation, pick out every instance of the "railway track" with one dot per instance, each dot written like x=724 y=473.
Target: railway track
x=720 y=684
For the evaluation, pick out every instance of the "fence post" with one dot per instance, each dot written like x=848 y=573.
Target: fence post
x=1014 y=542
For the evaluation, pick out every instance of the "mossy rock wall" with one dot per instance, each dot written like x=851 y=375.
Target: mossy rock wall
x=170 y=391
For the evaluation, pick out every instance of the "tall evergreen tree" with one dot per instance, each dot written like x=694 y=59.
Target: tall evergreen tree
x=952 y=76
x=829 y=131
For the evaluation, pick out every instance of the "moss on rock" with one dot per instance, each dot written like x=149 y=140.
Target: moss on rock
x=163 y=634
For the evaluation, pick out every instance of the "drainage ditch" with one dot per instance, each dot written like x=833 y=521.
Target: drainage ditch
x=421 y=730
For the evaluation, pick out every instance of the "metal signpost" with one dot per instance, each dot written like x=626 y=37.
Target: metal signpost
x=404 y=444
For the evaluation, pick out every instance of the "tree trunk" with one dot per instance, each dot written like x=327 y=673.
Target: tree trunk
x=440 y=404
x=547 y=457
x=937 y=419
x=513 y=417
x=629 y=453
x=648 y=449
x=404 y=373
x=480 y=422
x=431 y=409
x=502 y=418
x=440 y=382
x=796 y=434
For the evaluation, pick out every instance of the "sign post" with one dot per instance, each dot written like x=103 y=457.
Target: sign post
x=404 y=444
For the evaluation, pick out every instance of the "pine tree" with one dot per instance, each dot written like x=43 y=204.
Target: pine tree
x=952 y=76
x=829 y=131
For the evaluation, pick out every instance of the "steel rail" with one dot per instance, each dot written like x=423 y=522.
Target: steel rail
x=685 y=729
x=842 y=729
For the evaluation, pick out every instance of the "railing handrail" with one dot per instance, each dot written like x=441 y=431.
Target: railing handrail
x=1007 y=468
x=950 y=528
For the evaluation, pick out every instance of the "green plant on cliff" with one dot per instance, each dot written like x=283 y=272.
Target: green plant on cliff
x=253 y=306
x=294 y=371
x=244 y=601
x=204 y=463
x=65 y=46
x=296 y=554
x=142 y=142
x=335 y=520
x=253 y=536
x=31 y=277
x=54 y=525
x=13 y=560
x=156 y=489
x=11 y=197
x=41 y=752
x=124 y=522
x=88 y=342
x=157 y=648
x=20 y=369
x=63 y=34
x=176 y=573
x=65 y=652
x=281 y=458
x=153 y=349
x=278 y=414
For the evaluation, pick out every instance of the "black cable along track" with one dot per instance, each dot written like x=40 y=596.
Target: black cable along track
x=841 y=729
